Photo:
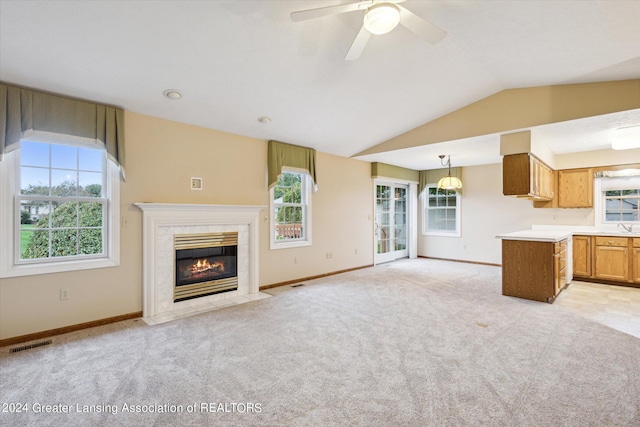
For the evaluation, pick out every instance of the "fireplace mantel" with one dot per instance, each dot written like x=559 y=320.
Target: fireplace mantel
x=163 y=220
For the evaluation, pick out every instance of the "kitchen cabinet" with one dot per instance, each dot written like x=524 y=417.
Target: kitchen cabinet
x=636 y=260
x=559 y=265
x=575 y=188
x=582 y=256
x=525 y=176
x=611 y=258
x=534 y=270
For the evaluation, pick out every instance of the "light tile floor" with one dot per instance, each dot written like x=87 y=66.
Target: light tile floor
x=615 y=306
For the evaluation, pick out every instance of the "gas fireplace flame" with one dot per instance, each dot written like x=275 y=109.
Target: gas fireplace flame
x=203 y=265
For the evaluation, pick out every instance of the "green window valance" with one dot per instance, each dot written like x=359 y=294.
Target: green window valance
x=26 y=113
x=383 y=170
x=281 y=155
x=433 y=176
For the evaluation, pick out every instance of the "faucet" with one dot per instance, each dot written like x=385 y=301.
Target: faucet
x=627 y=228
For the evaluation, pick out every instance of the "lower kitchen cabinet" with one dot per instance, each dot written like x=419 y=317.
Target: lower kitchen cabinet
x=608 y=258
x=534 y=270
x=582 y=256
x=611 y=258
x=636 y=260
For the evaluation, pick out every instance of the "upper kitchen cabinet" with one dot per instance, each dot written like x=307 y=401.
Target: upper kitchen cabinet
x=525 y=176
x=575 y=188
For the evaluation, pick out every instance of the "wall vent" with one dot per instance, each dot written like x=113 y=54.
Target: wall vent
x=30 y=346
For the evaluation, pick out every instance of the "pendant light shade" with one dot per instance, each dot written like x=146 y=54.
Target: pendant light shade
x=449 y=182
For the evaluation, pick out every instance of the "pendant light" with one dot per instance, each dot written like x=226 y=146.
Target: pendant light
x=448 y=182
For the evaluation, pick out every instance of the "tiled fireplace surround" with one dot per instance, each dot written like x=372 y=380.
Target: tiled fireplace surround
x=161 y=221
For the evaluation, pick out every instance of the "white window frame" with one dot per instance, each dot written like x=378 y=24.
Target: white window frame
x=306 y=201
x=425 y=215
x=604 y=184
x=10 y=266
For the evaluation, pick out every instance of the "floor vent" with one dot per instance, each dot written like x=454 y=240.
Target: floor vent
x=299 y=284
x=30 y=346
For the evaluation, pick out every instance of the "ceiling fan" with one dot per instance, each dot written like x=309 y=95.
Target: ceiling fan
x=380 y=17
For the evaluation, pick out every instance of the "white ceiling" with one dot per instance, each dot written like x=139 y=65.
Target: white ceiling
x=235 y=61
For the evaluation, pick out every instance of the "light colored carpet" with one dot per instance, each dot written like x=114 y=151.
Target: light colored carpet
x=410 y=343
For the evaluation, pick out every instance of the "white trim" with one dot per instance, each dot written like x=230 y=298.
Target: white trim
x=8 y=251
x=412 y=220
x=425 y=217
x=286 y=244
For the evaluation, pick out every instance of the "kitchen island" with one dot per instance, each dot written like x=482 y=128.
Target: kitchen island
x=534 y=264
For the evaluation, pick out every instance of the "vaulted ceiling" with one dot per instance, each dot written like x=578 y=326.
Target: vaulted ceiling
x=235 y=61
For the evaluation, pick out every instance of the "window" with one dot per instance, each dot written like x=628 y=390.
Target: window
x=291 y=211
x=441 y=214
x=61 y=204
x=617 y=200
x=621 y=205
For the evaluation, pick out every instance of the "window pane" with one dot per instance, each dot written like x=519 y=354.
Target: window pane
x=34 y=244
x=612 y=193
x=628 y=215
x=90 y=214
x=38 y=212
x=64 y=215
x=64 y=156
x=90 y=184
x=34 y=154
x=90 y=241
x=630 y=203
x=34 y=181
x=63 y=183
x=90 y=159
x=613 y=216
x=64 y=242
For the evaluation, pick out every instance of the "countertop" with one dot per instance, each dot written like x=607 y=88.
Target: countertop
x=537 y=235
x=558 y=234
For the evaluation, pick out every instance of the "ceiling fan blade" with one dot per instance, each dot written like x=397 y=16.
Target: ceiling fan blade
x=421 y=27
x=303 y=15
x=358 y=45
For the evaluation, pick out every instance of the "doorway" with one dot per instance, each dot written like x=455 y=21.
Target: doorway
x=391 y=221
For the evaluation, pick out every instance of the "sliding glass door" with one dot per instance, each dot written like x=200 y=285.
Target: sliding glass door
x=391 y=225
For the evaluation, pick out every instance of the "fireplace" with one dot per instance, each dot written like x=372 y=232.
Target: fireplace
x=162 y=222
x=205 y=264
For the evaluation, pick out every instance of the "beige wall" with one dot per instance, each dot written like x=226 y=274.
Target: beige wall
x=486 y=212
x=162 y=156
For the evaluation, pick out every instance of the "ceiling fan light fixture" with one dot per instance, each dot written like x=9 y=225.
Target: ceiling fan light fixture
x=381 y=18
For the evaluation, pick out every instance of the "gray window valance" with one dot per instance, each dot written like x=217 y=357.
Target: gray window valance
x=281 y=155
x=433 y=176
x=25 y=113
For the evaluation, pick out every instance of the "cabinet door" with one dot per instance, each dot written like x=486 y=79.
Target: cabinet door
x=611 y=263
x=636 y=265
x=582 y=256
x=575 y=188
x=546 y=182
x=516 y=177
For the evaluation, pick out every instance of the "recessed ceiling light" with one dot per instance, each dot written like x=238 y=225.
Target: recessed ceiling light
x=172 y=94
x=264 y=119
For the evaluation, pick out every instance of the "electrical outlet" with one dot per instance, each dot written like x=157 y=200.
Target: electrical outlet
x=65 y=294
